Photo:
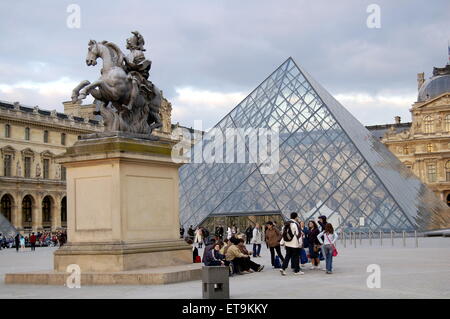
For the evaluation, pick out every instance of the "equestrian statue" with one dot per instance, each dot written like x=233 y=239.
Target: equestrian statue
x=128 y=101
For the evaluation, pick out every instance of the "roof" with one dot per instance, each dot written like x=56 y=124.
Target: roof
x=9 y=105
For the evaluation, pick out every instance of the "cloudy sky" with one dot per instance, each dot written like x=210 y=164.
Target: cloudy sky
x=208 y=55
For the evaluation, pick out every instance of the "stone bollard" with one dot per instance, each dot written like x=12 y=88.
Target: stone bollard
x=215 y=282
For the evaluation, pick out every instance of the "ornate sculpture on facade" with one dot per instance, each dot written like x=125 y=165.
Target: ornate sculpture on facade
x=38 y=170
x=129 y=102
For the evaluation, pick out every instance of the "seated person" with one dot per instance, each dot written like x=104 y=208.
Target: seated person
x=215 y=258
x=240 y=260
x=226 y=245
x=243 y=248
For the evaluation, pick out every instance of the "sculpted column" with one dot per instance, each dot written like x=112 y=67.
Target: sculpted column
x=56 y=215
x=17 y=215
x=37 y=214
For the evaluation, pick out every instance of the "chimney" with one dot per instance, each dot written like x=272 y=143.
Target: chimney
x=397 y=119
x=420 y=79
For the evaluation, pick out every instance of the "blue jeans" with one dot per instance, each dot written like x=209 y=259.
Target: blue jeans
x=256 y=250
x=328 y=252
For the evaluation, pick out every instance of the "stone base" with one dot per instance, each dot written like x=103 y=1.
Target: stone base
x=116 y=257
x=153 y=276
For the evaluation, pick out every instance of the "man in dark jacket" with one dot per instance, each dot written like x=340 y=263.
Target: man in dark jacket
x=17 y=242
x=248 y=234
x=33 y=242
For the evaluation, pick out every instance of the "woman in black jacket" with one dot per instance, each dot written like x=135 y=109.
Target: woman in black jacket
x=314 y=244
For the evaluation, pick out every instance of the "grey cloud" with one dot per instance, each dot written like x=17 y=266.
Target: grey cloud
x=232 y=45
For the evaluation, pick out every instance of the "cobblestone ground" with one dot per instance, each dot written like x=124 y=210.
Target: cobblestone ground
x=406 y=272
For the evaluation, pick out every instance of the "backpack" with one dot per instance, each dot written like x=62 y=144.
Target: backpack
x=287 y=231
x=277 y=262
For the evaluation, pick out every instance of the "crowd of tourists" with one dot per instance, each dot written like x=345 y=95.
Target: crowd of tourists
x=312 y=243
x=39 y=239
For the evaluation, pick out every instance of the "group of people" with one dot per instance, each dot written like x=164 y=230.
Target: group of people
x=311 y=242
x=33 y=240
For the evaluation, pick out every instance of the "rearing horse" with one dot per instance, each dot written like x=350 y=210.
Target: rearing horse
x=117 y=87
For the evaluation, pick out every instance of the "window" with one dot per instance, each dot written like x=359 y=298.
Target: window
x=431 y=172
x=64 y=210
x=7 y=130
x=27 y=205
x=63 y=139
x=447 y=171
x=27 y=167
x=6 y=205
x=46 y=209
x=428 y=124
x=7 y=161
x=46 y=168
x=429 y=147
x=63 y=173
x=46 y=136
x=27 y=133
x=447 y=123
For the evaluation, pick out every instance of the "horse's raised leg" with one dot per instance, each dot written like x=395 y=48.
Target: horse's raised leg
x=86 y=90
x=76 y=90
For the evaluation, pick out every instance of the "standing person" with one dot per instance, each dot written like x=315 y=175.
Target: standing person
x=22 y=243
x=191 y=232
x=249 y=234
x=229 y=233
x=322 y=221
x=181 y=232
x=234 y=230
x=221 y=232
x=303 y=256
x=257 y=239
x=1 y=241
x=330 y=238
x=33 y=242
x=198 y=237
x=205 y=235
x=290 y=238
x=313 y=244
x=273 y=238
x=17 y=242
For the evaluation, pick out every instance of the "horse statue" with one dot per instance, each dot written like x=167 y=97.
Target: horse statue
x=128 y=101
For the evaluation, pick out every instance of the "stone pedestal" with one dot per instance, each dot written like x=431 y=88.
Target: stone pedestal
x=122 y=201
x=122 y=205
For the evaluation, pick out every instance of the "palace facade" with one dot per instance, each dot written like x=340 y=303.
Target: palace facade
x=32 y=184
x=423 y=144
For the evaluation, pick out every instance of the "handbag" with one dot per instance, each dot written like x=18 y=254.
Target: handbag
x=335 y=252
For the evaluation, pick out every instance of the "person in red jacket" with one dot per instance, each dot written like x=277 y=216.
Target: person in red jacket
x=32 y=240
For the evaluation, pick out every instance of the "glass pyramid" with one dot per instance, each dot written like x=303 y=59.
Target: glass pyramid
x=329 y=164
x=6 y=229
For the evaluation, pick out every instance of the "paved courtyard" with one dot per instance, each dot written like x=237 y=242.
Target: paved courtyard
x=406 y=272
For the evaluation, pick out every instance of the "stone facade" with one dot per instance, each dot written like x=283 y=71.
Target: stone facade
x=424 y=144
x=32 y=184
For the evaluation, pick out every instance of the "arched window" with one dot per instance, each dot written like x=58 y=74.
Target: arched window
x=429 y=147
x=27 y=206
x=447 y=171
x=447 y=123
x=6 y=206
x=7 y=130
x=428 y=124
x=64 y=210
x=431 y=172
x=27 y=133
x=46 y=209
